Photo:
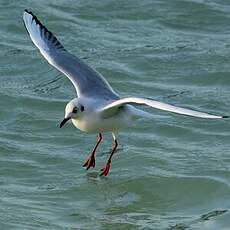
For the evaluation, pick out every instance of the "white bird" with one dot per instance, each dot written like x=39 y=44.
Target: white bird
x=97 y=108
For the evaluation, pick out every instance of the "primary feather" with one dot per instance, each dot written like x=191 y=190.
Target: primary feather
x=87 y=81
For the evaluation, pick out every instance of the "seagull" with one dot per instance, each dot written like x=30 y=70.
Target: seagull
x=97 y=107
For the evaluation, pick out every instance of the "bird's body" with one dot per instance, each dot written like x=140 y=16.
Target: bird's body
x=92 y=122
x=97 y=109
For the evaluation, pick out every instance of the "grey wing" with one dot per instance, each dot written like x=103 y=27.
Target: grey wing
x=87 y=81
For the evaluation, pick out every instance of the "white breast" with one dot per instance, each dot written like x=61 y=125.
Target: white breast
x=94 y=123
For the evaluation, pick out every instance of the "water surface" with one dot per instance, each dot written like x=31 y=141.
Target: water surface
x=171 y=172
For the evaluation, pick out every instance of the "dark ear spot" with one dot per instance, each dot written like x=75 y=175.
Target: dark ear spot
x=82 y=108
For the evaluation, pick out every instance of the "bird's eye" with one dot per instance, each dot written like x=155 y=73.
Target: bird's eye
x=74 y=110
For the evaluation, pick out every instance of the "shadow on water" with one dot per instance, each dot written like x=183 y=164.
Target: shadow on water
x=205 y=217
x=104 y=153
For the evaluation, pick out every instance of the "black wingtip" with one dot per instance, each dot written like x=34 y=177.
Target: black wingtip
x=28 y=11
x=49 y=35
x=225 y=116
x=31 y=13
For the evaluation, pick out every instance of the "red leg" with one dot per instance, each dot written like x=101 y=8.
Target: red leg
x=105 y=169
x=90 y=161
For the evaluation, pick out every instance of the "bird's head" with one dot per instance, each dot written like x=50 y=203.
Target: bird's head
x=73 y=110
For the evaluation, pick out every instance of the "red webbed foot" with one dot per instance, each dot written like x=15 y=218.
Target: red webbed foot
x=90 y=162
x=105 y=169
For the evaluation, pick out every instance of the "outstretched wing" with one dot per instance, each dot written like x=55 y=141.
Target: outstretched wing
x=86 y=80
x=108 y=109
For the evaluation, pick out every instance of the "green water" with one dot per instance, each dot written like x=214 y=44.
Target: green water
x=169 y=173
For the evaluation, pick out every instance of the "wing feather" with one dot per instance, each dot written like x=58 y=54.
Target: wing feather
x=108 y=109
x=85 y=79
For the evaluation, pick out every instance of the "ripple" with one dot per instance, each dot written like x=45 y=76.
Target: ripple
x=171 y=172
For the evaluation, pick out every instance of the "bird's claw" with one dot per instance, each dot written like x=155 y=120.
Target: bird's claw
x=90 y=162
x=105 y=169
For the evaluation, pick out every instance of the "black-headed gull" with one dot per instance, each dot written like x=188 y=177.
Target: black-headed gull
x=97 y=108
